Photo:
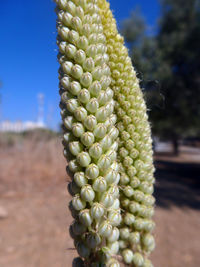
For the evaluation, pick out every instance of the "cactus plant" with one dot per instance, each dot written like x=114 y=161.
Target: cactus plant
x=106 y=139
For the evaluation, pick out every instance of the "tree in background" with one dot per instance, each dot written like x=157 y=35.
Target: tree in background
x=171 y=57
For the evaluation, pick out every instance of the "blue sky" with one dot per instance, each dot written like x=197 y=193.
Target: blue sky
x=28 y=64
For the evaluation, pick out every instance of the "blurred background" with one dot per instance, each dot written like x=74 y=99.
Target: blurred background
x=163 y=38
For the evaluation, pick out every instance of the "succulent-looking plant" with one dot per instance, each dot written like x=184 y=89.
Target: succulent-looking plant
x=107 y=139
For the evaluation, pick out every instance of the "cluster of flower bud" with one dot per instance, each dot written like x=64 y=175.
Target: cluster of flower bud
x=134 y=152
x=90 y=135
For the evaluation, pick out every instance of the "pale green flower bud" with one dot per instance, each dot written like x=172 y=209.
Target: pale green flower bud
x=84 y=96
x=80 y=113
x=83 y=159
x=113 y=190
x=134 y=207
x=138 y=259
x=87 y=193
x=127 y=255
x=83 y=250
x=109 y=94
x=134 y=153
x=148 y=225
x=124 y=179
x=115 y=166
x=86 y=30
x=80 y=179
x=79 y=12
x=138 y=195
x=88 y=64
x=93 y=37
x=70 y=50
x=114 y=236
x=102 y=98
x=67 y=67
x=129 y=218
x=104 y=254
x=101 y=114
x=75 y=88
x=97 y=211
x=78 y=129
x=73 y=37
x=93 y=240
x=111 y=176
x=147 y=263
x=128 y=191
x=92 y=105
x=90 y=122
x=124 y=233
x=105 y=228
x=129 y=144
x=128 y=161
x=65 y=81
x=76 y=71
x=131 y=171
x=95 y=88
x=86 y=79
x=76 y=23
x=148 y=200
x=148 y=242
x=114 y=146
x=92 y=49
x=95 y=151
x=68 y=122
x=62 y=47
x=106 y=142
x=135 y=182
x=66 y=19
x=146 y=187
x=97 y=73
x=146 y=212
x=68 y=137
x=78 y=203
x=100 y=130
x=134 y=238
x=74 y=166
x=113 y=133
x=85 y=217
x=125 y=136
x=62 y=4
x=87 y=139
x=107 y=199
x=104 y=162
x=80 y=56
x=139 y=224
x=71 y=7
x=92 y=171
x=75 y=147
x=114 y=247
x=63 y=32
x=114 y=217
x=72 y=105
x=100 y=184
x=113 y=263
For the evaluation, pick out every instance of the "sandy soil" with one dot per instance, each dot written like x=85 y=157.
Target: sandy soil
x=33 y=193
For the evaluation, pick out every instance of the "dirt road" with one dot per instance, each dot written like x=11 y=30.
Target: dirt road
x=33 y=193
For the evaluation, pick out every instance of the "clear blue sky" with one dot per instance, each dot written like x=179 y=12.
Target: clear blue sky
x=28 y=64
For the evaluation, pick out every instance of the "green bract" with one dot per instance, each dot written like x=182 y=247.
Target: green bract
x=106 y=138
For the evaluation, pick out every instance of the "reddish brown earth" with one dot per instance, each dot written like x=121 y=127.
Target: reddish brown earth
x=33 y=193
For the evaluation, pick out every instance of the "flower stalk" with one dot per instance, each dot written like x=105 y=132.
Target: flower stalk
x=107 y=138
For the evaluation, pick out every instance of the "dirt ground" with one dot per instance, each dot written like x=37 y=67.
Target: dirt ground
x=33 y=193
